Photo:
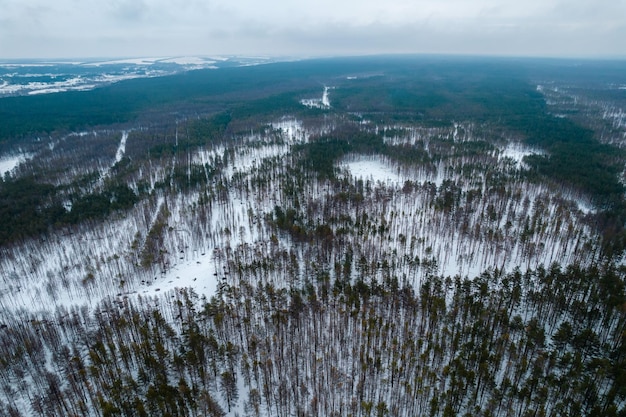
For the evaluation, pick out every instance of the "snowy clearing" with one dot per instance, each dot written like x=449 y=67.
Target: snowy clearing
x=197 y=273
x=7 y=164
x=373 y=169
x=517 y=152
x=382 y=171
x=320 y=103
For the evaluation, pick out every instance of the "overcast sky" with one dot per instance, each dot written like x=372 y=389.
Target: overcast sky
x=121 y=28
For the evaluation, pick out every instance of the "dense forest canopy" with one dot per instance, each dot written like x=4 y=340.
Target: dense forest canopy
x=433 y=236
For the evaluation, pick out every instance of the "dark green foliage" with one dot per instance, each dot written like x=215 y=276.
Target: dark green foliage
x=192 y=176
x=290 y=221
x=320 y=155
x=30 y=208
x=209 y=89
x=205 y=131
x=27 y=208
x=195 y=133
x=27 y=116
x=100 y=205
x=430 y=91
x=310 y=327
x=575 y=158
x=274 y=106
x=151 y=252
x=162 y=149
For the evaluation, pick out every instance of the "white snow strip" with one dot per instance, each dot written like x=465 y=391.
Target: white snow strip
x=325 y=100
x=133 y=61
x=23 y=65
x=122 y=148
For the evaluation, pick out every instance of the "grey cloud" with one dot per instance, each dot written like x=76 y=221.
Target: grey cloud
x=162 y=27
x=129 y=10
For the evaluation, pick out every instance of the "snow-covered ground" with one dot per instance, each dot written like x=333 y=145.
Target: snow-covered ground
x=8 y=163
x=375 y=170
x=616 y=115
x=190 y=60
x=517 y=152
x=291 y=129
x=320 y=103
x=203 y=239
x=78 y=83
x=381 y=171
x=222 y=236
x=86 y=266
x=133 y=61
x=198 y=273
x=31 y=78
x=448 y=243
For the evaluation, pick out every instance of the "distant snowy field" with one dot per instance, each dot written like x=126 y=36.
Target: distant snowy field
x=45 y=77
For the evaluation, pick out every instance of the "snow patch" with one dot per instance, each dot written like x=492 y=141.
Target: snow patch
x=380 y=170
x=517 y=152
x=584 y=206
x=8 y=164
x=197 y=273
x=319 y=103
x=292 y=130
x=374 y=169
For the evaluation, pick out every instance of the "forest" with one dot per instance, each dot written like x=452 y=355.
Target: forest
x=444 y=238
